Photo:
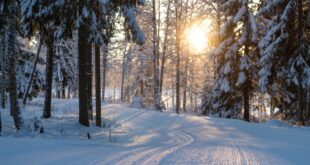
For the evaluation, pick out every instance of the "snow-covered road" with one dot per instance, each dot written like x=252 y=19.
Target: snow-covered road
x=148 y=137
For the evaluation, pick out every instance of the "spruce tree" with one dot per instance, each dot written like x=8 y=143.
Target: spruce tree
x=284 y=60
x=236 y=59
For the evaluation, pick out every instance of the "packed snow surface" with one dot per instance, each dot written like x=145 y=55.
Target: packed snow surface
x=137 y=136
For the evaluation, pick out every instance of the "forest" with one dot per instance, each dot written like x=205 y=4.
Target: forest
x=91 y=69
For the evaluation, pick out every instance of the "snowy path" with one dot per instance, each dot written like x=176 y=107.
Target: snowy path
x=163 y=138
x=148 y=137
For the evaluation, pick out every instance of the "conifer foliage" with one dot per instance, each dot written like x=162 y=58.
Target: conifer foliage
x=236 y=59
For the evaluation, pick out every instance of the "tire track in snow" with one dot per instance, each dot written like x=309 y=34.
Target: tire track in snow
x=130 y=117
x=129 y=157
x=250 y=157
x=243 y=157
x=153 y=155
x=184 y=139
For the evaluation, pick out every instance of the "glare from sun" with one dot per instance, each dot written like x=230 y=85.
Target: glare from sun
x=196 y=38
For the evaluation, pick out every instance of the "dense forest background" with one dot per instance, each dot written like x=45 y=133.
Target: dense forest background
x=244 y=59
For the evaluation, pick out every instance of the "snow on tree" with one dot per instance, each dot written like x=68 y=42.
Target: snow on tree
x=284 y=59
x=24 y=68
x=236 y=59
x=66 y=63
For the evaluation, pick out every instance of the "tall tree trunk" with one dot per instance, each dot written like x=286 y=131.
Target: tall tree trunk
x=0 y=122
x=307 y=118
x=104 y=70
x=300 y=90
x=3 y=97
x=124 y=65
x=185 y=86
x=155 y=61
x=218 y=60
x=173 y=89
x=83 y=86
x=69 y=92
x=191 y=98
x=195 y=106
x=246 y=104
x=98 y=88
x=49 y=75
x=300 y=104
x=13 y=51
x=178 y=76
x=89 y=80
x=247 y=83
x=63 y=90
x=18 y=121
x=163 y=58
x=123 y=79
x=177 y=64
x=3 y=87
x=58 y=93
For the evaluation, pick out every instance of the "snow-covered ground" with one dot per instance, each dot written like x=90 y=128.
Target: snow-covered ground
x=146 y=137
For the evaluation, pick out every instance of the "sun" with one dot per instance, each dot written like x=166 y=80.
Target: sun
x=196 y=38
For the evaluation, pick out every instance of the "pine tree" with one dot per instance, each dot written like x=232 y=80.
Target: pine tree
x=24 y=70
x=284 y=59
x=66 y=70
x=44 y=19
x=33 y=73
x=236 y=53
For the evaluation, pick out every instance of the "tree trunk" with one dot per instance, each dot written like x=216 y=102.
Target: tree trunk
x=69 y=92
x=191 y=99
x=300 y=94
x=163 y=58
x=49 y=76
x=123 y=77
x=246 y=114
x=155 y=61
x=0 y=122
x=177 y=26
x=220 y=59
x=3 y=98
x=12 y=85
x=58 y=95
x=18 y=121
x=104 y=70
x=272 y=106
x=307 y=118
x=247 y=83
x=83 y=86
x=124 y=65
x=173 y=91
x=195 y=106
x=98 y=88
x=63 y=90
x=185 y=86
x=89 y=80
x=300 y=90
